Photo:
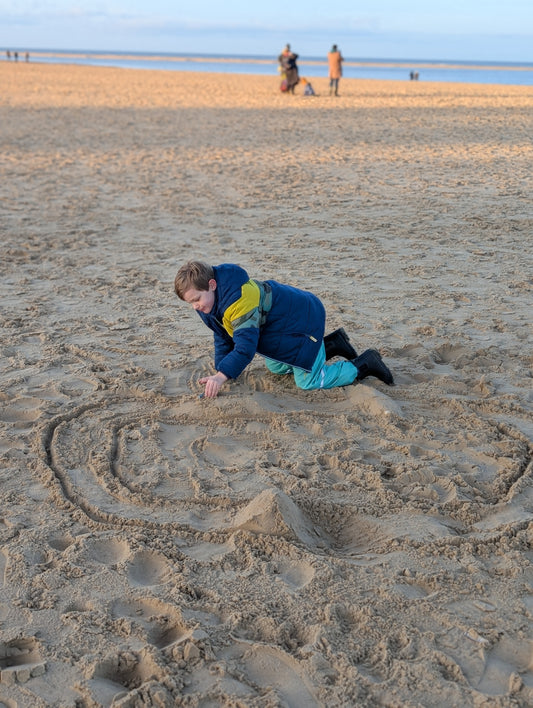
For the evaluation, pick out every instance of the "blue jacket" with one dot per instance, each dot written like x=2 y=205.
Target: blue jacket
x=265 y=317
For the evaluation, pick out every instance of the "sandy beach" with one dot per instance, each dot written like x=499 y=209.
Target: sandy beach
x=362 y=546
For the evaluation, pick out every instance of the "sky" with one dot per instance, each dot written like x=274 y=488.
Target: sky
x=470 y=30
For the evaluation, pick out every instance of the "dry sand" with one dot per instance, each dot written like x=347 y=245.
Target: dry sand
x=365 y=546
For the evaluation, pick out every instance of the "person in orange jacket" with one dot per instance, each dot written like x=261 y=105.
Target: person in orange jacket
x=335 y=69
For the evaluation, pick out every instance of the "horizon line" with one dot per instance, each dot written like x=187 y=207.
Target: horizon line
x=263 y=58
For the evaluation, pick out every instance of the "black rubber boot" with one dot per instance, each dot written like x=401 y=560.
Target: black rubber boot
x=338 y=344
x=369 y=363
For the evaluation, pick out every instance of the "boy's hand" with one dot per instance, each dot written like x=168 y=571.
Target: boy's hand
x=213 y=384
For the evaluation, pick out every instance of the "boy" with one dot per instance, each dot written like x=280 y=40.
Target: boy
x=283 y=323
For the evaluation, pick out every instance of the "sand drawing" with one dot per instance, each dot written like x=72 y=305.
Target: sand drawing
x=272 y=547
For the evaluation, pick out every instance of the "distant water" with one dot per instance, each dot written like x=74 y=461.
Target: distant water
x=462 y=72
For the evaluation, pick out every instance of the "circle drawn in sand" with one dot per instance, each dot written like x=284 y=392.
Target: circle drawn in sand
x=142 y=462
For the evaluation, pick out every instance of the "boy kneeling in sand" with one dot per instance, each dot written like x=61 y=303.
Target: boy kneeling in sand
x=280 y=322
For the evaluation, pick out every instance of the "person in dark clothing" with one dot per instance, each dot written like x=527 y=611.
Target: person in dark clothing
x=287 y=60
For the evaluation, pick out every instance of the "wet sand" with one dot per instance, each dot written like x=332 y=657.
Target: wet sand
x=361 y=546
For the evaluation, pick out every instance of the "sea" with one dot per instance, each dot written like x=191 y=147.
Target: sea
x=506 y=73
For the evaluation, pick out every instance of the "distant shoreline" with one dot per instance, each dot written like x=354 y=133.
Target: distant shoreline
x=312 y=67
x=201 y=58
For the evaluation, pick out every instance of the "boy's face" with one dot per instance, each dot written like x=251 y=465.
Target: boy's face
x=202 y=300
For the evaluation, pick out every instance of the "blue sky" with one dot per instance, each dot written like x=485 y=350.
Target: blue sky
x=484 y=30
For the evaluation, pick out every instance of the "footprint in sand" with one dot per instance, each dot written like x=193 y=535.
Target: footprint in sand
x=269 y=667
x=508 y=666
x=208 y=551
x=115 y=676
x=451 y=354
x=148 y=568
x=411 y=591
x=160 y=623
x=60 y=542
x=21 y=411
x=365 y=535
x=105 y=551
x=294 y=575
x=78 y=607
x=493 y=670
x=20 y=660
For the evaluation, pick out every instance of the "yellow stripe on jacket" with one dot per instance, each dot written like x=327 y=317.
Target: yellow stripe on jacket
x=244 y=312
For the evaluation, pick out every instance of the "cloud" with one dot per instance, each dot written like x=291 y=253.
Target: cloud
x=131 y=29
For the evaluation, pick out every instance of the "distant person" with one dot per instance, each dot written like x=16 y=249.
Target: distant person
x=16 y=55
x=8 y=54
x=27 y=56
x=308 y=89
x=335 y=69
x=287 y=60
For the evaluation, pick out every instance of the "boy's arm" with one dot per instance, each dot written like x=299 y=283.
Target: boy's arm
x=234 y=362
x=236 y=339
x=241 y=321
x=223 y=345
x=245 y=346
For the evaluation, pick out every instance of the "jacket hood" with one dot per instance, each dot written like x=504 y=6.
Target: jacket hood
x=230 y=278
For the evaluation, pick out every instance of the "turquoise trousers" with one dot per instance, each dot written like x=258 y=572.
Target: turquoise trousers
x=322 y=375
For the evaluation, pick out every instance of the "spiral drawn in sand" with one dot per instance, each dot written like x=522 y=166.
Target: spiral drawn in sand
x=145 y=460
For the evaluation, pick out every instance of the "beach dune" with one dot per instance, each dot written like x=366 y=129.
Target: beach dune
x=362 y=546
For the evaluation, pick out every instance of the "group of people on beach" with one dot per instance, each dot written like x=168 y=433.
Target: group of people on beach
x=16 y=55
x=290 y=75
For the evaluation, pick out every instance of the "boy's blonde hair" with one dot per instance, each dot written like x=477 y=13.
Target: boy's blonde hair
x=193 y=275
